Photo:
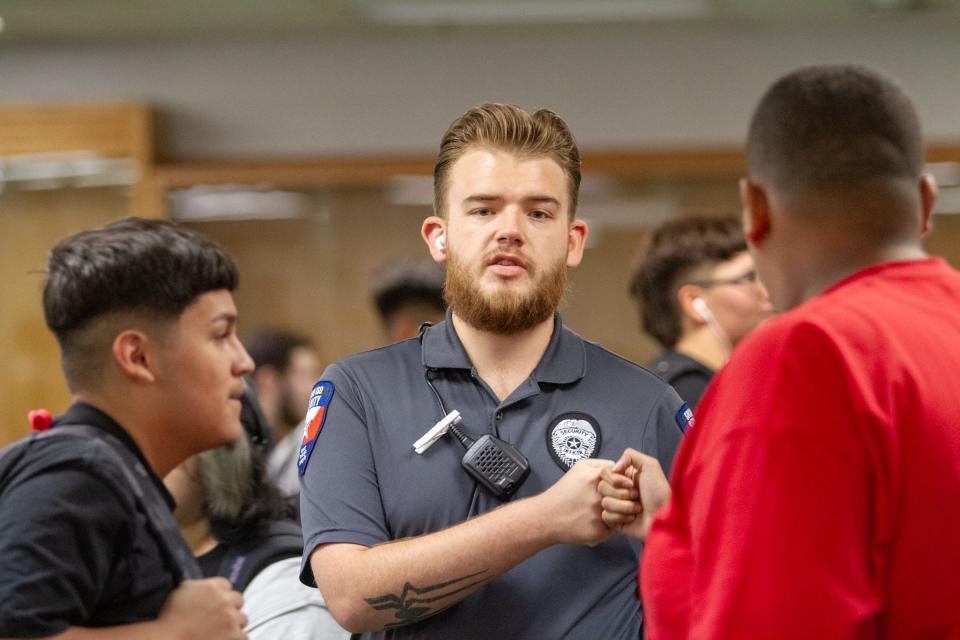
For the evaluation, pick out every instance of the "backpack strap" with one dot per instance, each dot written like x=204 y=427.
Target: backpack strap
x=10 y=457
x=277 y=540
x=122 y=467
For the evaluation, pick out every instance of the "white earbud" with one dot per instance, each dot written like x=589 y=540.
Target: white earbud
x=705 y=314
x=440 y=243
x=700 y=305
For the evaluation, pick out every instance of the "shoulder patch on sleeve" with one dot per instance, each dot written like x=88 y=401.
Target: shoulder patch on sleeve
x=313 y=424
x=684 y=417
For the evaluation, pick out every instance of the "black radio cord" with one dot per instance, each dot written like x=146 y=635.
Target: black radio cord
x=457 y=432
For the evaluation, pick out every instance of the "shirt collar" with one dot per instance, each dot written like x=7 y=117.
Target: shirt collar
x=81 y=413
x=563 y=362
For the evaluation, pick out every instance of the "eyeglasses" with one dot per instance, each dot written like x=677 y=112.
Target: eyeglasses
x=743 y=278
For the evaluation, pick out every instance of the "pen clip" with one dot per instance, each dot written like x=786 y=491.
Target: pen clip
x=436 y=432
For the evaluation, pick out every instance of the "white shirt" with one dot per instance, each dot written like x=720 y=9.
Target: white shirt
x=279 y=606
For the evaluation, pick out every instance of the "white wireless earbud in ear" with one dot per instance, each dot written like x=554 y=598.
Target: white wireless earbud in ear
x=702 y=309
x=440 y=243
x=700 y=305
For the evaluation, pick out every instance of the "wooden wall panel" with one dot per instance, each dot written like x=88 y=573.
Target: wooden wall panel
x=113 y=130
x=30 y=223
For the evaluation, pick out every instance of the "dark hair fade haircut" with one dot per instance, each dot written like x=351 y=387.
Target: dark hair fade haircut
x=137 y=265
x=674 y=252
x=833 y=128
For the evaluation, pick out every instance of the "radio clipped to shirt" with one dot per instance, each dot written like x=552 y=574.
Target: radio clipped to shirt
x=495 y=464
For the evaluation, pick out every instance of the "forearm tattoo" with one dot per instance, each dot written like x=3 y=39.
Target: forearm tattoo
x=409 y=603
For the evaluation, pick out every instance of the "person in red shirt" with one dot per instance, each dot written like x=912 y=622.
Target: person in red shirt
x=818 y=495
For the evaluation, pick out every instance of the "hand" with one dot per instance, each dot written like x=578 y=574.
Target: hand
x=633 y=490
x=572 y=505
x=204 y=610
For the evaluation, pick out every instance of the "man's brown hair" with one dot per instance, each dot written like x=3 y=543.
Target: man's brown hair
x=674 y=253
x=509 y=128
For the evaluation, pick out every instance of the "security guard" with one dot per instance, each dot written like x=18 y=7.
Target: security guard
x=496 y=526
x=146 y=321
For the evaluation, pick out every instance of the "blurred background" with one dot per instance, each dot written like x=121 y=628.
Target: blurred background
x=301 y=134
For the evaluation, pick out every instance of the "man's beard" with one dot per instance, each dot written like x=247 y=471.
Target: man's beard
x=505 y=311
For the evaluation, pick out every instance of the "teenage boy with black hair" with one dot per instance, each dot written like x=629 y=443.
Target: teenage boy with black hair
x=146 y=323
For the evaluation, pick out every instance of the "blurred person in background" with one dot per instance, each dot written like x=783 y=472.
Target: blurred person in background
x=241 y=529
x=407 y=294
x=287 y=364
x=698 y=296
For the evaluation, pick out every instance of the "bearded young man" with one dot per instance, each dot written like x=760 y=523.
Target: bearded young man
x=463 y=563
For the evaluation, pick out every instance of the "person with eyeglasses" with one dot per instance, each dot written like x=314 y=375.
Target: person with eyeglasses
x=698 y=296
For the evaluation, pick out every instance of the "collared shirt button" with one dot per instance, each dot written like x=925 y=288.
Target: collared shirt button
x=499 y=415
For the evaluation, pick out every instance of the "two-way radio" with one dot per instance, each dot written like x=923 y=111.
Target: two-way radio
x=492 y=462
x=496 y=465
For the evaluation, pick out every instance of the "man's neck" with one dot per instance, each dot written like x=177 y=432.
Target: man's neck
x=156 y=448
x=822 y=276
x=504 y=361
x=704 y=347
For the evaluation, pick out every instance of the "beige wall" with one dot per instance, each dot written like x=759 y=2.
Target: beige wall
x=619 y=86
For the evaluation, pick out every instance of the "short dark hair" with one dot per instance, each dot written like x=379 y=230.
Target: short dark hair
x=151 y=267
x=831 y=128
x=274 y=347
x=674 y=251
x=406 y=283
x=510 y=128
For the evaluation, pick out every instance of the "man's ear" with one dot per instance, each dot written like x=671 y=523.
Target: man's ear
x=928 y=199
x=756 y=211
x=685 y=297
x=134 y=357
x=433 y=228
x=576 y=242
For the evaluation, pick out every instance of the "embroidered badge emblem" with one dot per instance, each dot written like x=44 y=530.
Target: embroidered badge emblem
x=571 y=437
x=684 y=418
x=312 y=425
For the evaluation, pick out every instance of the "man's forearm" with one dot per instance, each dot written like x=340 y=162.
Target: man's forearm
x=407 y=580
x=402 y=582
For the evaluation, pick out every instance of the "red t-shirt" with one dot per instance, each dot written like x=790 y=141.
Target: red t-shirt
x=819 y=494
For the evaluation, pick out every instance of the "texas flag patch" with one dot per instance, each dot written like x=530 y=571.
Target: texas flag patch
x=312 y=425
x=685 y=419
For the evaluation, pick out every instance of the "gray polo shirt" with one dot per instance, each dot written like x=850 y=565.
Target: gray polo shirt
x=364 y=484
